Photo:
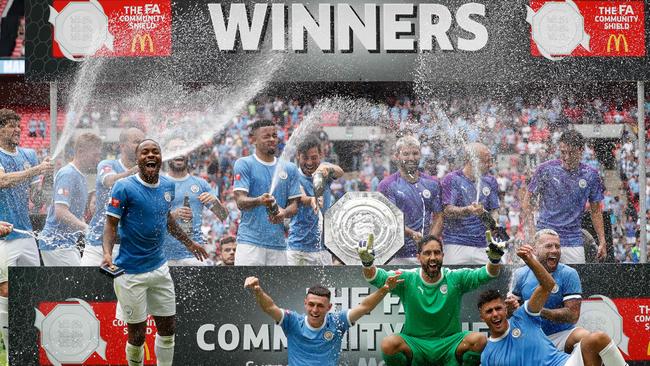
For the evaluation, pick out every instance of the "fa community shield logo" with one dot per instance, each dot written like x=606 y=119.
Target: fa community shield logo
x=557 y=29
x=70 y=333
x=81 y=29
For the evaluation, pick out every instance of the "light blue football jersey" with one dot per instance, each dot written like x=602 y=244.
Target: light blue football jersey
x=255 y=176
x=142 y=209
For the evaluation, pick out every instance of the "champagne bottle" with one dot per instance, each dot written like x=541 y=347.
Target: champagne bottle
x=273 y=209
x=187 y=225
x=319 y=184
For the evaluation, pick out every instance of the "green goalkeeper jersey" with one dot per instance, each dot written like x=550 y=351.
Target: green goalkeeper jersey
x=432 y=310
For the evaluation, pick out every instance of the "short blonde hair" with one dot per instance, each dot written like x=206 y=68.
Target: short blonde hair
x=540 y=233
x=406 y=141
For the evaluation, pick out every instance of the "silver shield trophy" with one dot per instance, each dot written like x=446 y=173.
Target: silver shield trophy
x=355 y=216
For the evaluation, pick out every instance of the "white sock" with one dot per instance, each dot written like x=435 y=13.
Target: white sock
x=164 y=347
x=134 y=354
x=4 y=321
x=611 y=356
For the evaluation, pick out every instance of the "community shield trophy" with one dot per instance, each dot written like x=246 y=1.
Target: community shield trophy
x=354 y=217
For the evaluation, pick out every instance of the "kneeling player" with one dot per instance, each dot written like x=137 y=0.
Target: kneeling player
x=315 y=338
x=520 y=339
x=431 y=296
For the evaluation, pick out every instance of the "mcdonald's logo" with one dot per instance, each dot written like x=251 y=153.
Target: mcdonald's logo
x=617 y=40
x=146 y=38
x=147 y=353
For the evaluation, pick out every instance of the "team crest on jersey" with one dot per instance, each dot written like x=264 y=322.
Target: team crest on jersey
x=194 y=188
x=128 y=310
x=582 y=183
x=237 y=176
x=516 y=332
x=115 y=202
x=443 y=289
x=283 y=175
x=486 y=191
x=555 y=289
x=168 y=196
x=328 y=335
x=426 y=193
x=63 y=192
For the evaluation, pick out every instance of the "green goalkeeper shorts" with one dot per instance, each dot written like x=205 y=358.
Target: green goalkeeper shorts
x=434 y=351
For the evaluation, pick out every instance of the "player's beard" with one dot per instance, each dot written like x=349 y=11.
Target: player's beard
x=432 y=272
x=410 y=167
x=175 y=167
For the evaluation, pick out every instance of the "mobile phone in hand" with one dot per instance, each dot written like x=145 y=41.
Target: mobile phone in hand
x=112 y=271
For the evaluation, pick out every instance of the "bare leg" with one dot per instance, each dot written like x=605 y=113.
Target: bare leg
x=396 y=351
x=591 y=345
x=135 y=344
x=576 y=336
x=164 y=345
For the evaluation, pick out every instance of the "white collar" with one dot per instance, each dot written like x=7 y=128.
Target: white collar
x=10 y=153
x=155 y=185
x=275 y=160
x=442 y=275
x=312 y=328
x=505 y=334
x=182 y=179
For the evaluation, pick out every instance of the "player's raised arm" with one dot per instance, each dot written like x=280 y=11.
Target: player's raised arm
x=372 y=300
x=263 y=299
x=546 y=281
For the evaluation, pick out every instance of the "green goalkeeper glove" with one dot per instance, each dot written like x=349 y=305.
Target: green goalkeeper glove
x=366 y=251
x=495 y=249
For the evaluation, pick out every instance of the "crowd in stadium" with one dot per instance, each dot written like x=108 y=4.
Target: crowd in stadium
x=526 y=133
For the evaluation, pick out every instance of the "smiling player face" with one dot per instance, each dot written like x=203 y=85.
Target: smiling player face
x=149 y=160
x=494 y=314
x=548 y=251
x=431 y=259
x=316 y=308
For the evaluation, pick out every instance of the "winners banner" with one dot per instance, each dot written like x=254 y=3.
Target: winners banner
x=71 y=319
x=445 y=41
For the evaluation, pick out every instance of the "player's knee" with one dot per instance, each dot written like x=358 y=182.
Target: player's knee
x=165 y=341
x=476 y=341
x=137 y=336
x=597 y=340
x=576 y=336
x=166 y=326
x=136 y=339
x=391 y=345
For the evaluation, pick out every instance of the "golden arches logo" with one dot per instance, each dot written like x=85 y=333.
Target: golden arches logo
x=143 y=39
x=147 y=353
x=617 y=39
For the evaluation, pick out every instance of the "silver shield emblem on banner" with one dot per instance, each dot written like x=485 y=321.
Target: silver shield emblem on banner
x=354 y=217
x=70 y=333
x=557 y=29
x=599 y=313
x=81 y=29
